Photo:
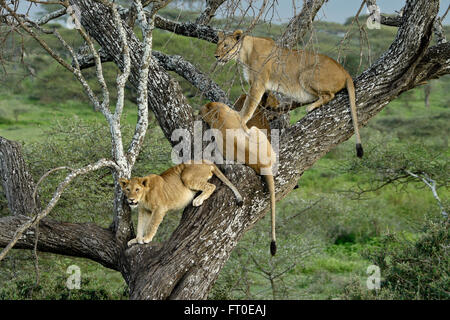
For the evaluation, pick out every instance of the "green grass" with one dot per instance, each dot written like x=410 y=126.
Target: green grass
x=33 y=118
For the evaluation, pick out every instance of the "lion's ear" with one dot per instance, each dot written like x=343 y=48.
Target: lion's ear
x=238 y=34
x=145 y=181
x=123 y=182
x=220 y=35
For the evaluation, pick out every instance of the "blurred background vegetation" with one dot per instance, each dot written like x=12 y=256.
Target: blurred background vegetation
x=346 y=215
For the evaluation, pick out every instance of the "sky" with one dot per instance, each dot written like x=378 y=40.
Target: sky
x=332 y=11
x=340 y=10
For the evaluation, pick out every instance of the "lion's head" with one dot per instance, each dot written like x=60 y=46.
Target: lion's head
x=228 y=46
x=134 y=189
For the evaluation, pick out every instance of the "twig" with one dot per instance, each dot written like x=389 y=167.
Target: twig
x=33 y=221
x=430 y=183
x=347 y=34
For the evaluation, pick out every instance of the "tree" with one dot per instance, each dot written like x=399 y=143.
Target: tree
x=186 y=265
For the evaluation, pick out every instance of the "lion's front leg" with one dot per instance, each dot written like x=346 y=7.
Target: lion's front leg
x=154 y=222
x=144 y=217
x=251 y=103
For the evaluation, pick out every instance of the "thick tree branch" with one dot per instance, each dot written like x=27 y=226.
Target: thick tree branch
x=434 y=64
x=209 y=89
x=198 y=79
x=85 y=240
x=188 y=29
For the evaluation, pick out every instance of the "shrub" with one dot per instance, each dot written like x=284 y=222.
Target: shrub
x=410 y=269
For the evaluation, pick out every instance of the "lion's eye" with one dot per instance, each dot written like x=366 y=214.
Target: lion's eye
x=137 y=190
x=128 y=189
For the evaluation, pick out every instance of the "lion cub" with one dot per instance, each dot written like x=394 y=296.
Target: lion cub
x=306 y=77
x=253 y=149
x=155 y=195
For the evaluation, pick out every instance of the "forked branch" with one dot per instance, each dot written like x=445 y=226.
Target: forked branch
x=34 y=220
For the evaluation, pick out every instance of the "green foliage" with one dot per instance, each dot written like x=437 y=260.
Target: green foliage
x=98 y=284
x=410 y=269
x=392 y=162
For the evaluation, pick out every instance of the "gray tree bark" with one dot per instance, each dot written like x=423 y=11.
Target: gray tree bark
x=187 y=265
x=17 y=182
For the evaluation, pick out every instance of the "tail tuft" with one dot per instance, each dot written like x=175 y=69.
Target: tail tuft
x=240 y=202
x=273 y=248
x=359 y=150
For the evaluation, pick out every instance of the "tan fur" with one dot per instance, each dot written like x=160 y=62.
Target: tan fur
x=155 y=195
x=221 y=117
x=262 y=117
x=306 y=77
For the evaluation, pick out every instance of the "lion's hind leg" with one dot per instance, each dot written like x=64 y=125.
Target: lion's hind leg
x=195 y=177
x=207 y=190
x=323 y=99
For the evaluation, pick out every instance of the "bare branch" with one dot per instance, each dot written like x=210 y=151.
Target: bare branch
x=208 y=88
x=430 y=183
x=209 y=12
x=147 y=27
x=50 y=16
x=198 y=79
x=301 y=24
x=24 y=24
x=391 y=21
x=172 y=110
x=33 y=221
x=439 y=31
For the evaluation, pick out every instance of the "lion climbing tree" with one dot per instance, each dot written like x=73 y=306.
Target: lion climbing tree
x=188 y=263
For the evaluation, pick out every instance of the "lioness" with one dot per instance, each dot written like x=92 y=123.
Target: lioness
x=262 y=117
x=155 y=195
x=306 y=77
x=253 y=149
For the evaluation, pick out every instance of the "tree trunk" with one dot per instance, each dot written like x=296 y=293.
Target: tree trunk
x=17 y=182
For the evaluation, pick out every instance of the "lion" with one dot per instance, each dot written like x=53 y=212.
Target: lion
x=253 y=149
x=262 y=116
x=304 y=76
x=154 y=195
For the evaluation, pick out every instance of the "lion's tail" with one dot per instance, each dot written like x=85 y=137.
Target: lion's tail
x=352 y=98
x=228 y=183
x=271 y=186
